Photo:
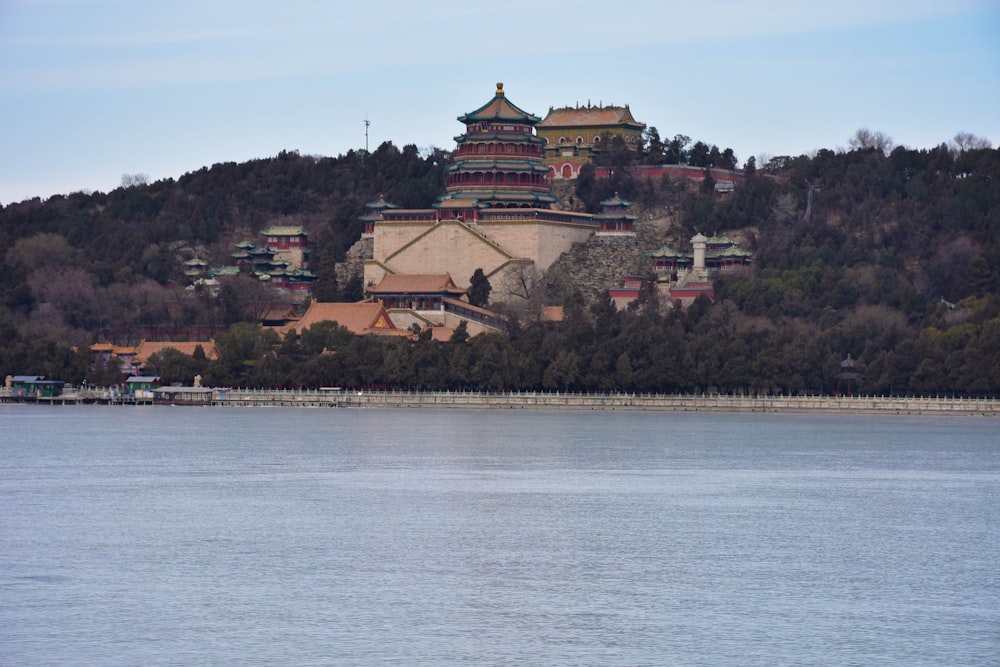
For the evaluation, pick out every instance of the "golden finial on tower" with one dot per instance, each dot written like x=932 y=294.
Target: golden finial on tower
x=500 y=88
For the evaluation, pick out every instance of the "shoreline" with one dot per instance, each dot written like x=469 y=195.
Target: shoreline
x=881 y=405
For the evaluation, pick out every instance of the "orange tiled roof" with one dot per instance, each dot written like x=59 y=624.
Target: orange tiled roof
x=590 y=117
x=360 y=318
x=148 y=348
x=416 y=283
x=442 y=334
x=552 y=314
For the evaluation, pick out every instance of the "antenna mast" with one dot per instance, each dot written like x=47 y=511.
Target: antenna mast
x=367 y=123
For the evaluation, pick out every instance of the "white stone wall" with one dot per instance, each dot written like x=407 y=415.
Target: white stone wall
x=451 y=247
x=539 y=241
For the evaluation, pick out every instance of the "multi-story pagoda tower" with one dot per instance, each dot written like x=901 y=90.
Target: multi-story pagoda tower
x=498 y=162
x=495 y=215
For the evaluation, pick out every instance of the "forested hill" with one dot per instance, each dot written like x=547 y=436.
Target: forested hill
x=892 y=257
x=139 y=231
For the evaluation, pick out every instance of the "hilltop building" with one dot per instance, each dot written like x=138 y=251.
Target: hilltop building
x=711 y=256
x=290 y=243
x=615 y=219
x=684 y=276
x=574 y=135
x=279 y=262
x=375 y=209
x=497 y=162
x=495 y=214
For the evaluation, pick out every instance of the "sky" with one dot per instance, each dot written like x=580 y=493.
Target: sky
x=91 y=90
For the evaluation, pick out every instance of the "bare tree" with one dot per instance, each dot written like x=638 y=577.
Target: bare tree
x=966 y=141
x=865 y=139
x=255 y=296
x=134 y=180
x=520 y=280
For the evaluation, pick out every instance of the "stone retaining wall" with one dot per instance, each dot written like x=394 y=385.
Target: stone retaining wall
x=634 y=402
x=989 y=407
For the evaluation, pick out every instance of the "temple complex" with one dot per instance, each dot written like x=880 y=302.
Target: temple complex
x=495 y=213
x=683 y=276
x=573 y=135
x=710 y=256
x=271 y=264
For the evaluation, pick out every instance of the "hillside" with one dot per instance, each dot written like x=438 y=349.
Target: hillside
x=93 y=264
x=892 y=259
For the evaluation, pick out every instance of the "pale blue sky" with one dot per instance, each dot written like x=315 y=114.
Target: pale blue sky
x=93 y=89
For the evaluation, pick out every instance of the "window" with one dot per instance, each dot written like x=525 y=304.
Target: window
x=579 y=140
x=562 y=140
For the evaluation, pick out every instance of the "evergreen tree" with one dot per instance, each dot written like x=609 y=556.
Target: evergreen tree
x=479 y=289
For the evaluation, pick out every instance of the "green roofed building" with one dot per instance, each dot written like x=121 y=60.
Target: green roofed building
x=33 y=386
x=721 y=255
x=374 y=214
x=498 y=160
x=289 y=242
x=615 y=219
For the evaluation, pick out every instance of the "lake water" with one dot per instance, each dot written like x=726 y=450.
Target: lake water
x=211 y=536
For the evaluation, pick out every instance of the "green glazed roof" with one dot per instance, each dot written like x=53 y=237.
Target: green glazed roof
x=499 y=108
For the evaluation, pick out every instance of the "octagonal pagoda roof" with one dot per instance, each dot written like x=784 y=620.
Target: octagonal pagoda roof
x=499 y=108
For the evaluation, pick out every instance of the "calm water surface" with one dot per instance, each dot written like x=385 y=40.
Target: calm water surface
x=199 y=536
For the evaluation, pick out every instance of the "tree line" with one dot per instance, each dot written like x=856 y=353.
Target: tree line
x=709 y=347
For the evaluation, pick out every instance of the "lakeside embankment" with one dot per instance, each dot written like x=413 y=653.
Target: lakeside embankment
x=987 y=407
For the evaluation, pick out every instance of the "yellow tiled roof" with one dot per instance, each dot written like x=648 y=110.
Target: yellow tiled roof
x=362 y=317
x=147 y=349
x=403 y=283
x=590 y=117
